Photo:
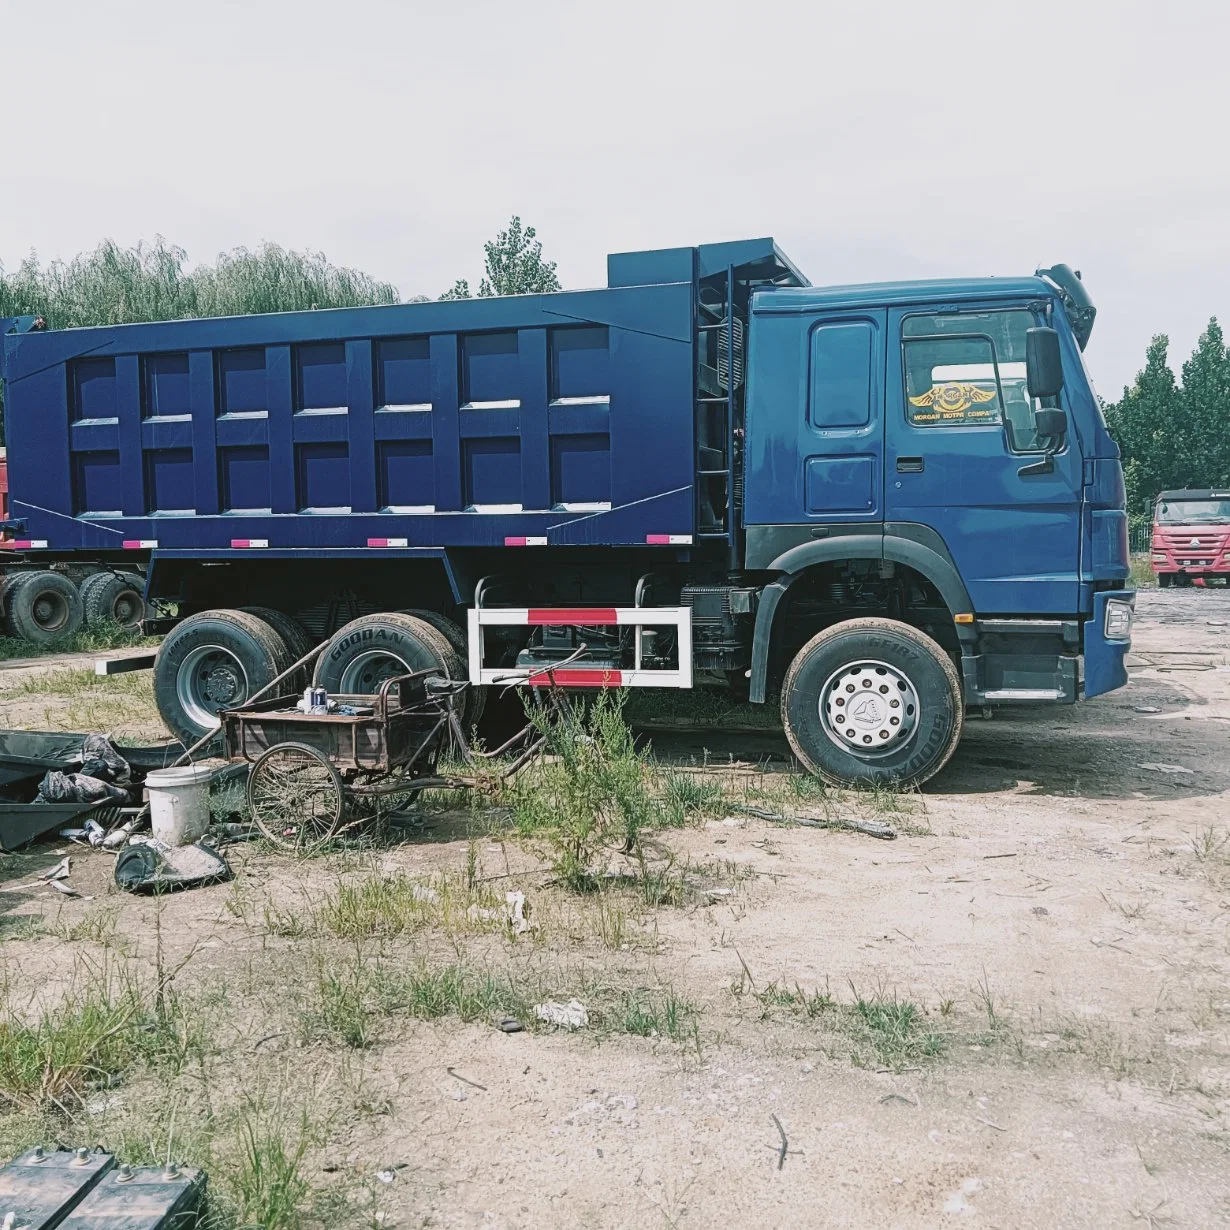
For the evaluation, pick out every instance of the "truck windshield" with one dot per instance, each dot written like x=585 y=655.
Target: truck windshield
x=1189 y=512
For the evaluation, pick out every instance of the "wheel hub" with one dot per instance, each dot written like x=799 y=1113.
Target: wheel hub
x=869 y=708
x=210 y=678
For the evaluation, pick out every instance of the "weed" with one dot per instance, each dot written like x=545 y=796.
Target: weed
x=891 y=1031
x=286 y=923
x=97 y=1030
x=592 y=793
x=1209 y=844
x=685 y=796
x=270 y=1186
x=387 y=905
x=452 y=990
x=612 y=922
x=342 y=1010
x=809 y=1003
x=653 y=1016
x=87 y=640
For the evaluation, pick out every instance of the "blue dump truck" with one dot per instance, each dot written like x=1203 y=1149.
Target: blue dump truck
x=885 y=504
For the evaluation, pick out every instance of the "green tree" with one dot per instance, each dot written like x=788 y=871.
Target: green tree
x=1145 y=422
x=113 y=285
x=514 y=266
x=1206 y=397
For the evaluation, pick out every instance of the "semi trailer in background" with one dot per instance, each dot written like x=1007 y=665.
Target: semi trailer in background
x=883 y=504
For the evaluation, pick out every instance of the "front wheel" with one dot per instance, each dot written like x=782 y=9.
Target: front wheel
x=872 y=702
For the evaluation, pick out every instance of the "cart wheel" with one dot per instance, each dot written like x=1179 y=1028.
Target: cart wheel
x=296 y=796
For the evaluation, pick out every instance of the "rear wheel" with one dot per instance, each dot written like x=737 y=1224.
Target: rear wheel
x=44 y=607
x=474 y=699
x=872 y=702
x=295 y=637
x=212 y=661
x=109 y=597
x=369 y=650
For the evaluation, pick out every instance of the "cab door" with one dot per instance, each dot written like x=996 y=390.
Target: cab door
x=815 y=421
x=960 y=448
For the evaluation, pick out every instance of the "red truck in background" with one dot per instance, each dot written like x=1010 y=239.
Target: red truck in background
x=1191 y=536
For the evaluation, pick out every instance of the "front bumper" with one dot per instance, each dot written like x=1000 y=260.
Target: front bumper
x=1106 y=654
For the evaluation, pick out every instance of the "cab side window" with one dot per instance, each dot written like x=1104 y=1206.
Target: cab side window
x=967 y=369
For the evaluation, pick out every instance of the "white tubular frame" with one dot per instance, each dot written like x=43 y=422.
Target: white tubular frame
x=579 y=675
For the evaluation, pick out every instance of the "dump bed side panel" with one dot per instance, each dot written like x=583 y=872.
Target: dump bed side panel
x=566 y=417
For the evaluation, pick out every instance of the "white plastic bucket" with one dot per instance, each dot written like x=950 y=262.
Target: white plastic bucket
x=179 y=803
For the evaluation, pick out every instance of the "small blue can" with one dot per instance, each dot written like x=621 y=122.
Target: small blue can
x=320 y=700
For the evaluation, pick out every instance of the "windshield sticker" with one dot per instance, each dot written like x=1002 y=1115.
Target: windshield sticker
x=954 y=401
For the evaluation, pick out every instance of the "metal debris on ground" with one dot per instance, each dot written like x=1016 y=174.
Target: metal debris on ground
x=571 y=1015
x=147 y=865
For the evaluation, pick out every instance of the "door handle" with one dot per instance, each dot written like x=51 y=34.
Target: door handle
x=909 y=465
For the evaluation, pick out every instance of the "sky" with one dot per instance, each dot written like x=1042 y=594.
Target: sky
x=887 y=139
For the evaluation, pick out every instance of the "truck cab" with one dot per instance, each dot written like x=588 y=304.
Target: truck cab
x=1191 y=536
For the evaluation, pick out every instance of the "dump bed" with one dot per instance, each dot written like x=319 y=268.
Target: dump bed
x=566 y=418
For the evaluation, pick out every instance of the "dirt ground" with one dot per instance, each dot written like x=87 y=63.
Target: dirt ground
x=1053 y=914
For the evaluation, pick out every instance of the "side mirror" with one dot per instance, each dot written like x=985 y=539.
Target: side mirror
x=1051 y=423
x=1043 y=362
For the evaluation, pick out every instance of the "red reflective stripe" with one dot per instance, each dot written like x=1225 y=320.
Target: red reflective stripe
x=658 y=540
x=572 y=615
x=132 y=544
x=514 y=542
x=596 y=677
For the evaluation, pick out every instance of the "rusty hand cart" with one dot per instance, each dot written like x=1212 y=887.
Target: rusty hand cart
x=315 y=775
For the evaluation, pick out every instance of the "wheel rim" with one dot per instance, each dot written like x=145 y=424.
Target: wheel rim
x=295 y=796
x=869 y=708
x=49 y=611
x=211 y=678
x=125 y=609
x=364 y=675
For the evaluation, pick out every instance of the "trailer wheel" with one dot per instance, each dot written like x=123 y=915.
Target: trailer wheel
x=8 y=586
x=294 y=636
x=474 y=698
x=44 y=607
x=872 y=702
x=213 y=660
x=109 y=597
x=369 y=650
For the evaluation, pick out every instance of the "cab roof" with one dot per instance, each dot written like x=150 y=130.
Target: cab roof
x=894 y=294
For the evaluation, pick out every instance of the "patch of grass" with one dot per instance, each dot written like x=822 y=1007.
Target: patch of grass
x=451 y=990
x=387 y=905
x=342 y=1011
x=715 y=707
x=808 y=1003
x=889 y=1031
x=686 y=796
x=880 y=1030
x=650 y=1015
x=286 y=923
x=87 y=640
x=1142 y=574
x=99 y=1028
x=270 y=1186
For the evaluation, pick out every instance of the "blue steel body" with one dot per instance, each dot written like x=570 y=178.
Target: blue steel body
x=569 y=417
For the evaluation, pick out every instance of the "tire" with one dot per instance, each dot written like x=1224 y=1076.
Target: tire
x=898 y=669
x=109 y=597
x=8 y=585
x=368 y=650
x=474 y=699
x=45 y=607
x=294 y=636
x=211 y=661
x=1165 y=579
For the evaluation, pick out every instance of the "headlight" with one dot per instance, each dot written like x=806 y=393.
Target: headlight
x=1118 y=626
